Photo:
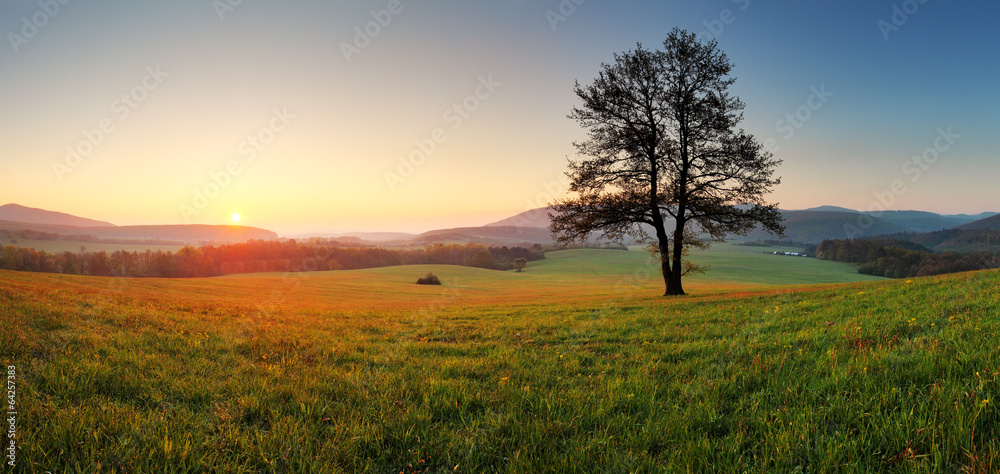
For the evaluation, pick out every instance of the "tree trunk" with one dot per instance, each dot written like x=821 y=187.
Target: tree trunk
x=665 y=268
x=674 y=286
x=664 y=244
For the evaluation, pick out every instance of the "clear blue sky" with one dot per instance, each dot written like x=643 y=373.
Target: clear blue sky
x=329 y=128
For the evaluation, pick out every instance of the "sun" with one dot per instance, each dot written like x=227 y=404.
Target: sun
x=236 y=217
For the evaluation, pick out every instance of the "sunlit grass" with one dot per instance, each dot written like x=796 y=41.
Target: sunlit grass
x=546 y=370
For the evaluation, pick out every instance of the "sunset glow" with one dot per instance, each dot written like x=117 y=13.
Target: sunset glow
x=454 y=115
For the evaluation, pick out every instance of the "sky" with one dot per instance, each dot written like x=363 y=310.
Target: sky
x=411 y=115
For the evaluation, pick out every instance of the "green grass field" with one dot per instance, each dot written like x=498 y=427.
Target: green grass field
x=576 y=364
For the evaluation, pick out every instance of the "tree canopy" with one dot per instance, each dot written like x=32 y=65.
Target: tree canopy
x=663 y=153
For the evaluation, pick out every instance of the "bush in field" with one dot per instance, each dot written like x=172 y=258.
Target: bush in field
x=428 y=279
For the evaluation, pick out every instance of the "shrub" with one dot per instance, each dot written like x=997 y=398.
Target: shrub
x=428 y=279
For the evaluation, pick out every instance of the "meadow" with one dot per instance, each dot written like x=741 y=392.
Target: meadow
x=576 y=364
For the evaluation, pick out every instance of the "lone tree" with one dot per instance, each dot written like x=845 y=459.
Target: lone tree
x=520 y=263
x=663 y=151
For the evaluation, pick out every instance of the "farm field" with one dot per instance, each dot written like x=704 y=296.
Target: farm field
x=576 y=364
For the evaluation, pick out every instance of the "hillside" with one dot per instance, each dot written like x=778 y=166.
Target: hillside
x=813 y=225
x=989 y=223
x=191 y=233
x=496 y=235
x=31 y=215
x=921 y=221
x=532 y=218
x=184 y=233
x=817 y=226
x=831 y=209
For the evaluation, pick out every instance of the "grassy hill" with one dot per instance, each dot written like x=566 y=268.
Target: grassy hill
x=574 y=365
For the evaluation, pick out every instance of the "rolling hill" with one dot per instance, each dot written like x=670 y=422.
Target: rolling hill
x=820 y=223
x=989 y=223
x=816 y=226
x=16 y=218
x=19 y=213
x=922 y=221
x=532 y=218
x=487 y=235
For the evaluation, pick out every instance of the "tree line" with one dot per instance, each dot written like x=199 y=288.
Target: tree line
x=258 y=256
x=903 y=259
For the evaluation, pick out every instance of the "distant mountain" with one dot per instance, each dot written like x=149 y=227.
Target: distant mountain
x=367 y=236
x=817 y=226
x=191 y=233
x=379 y=236
x=831 y=209
x=17 y=217
x=921 y=221
x=533 y=218
x=487 y=235
x=974 y=217
x=989 y=223
x=19 y=213
x=813 y=225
